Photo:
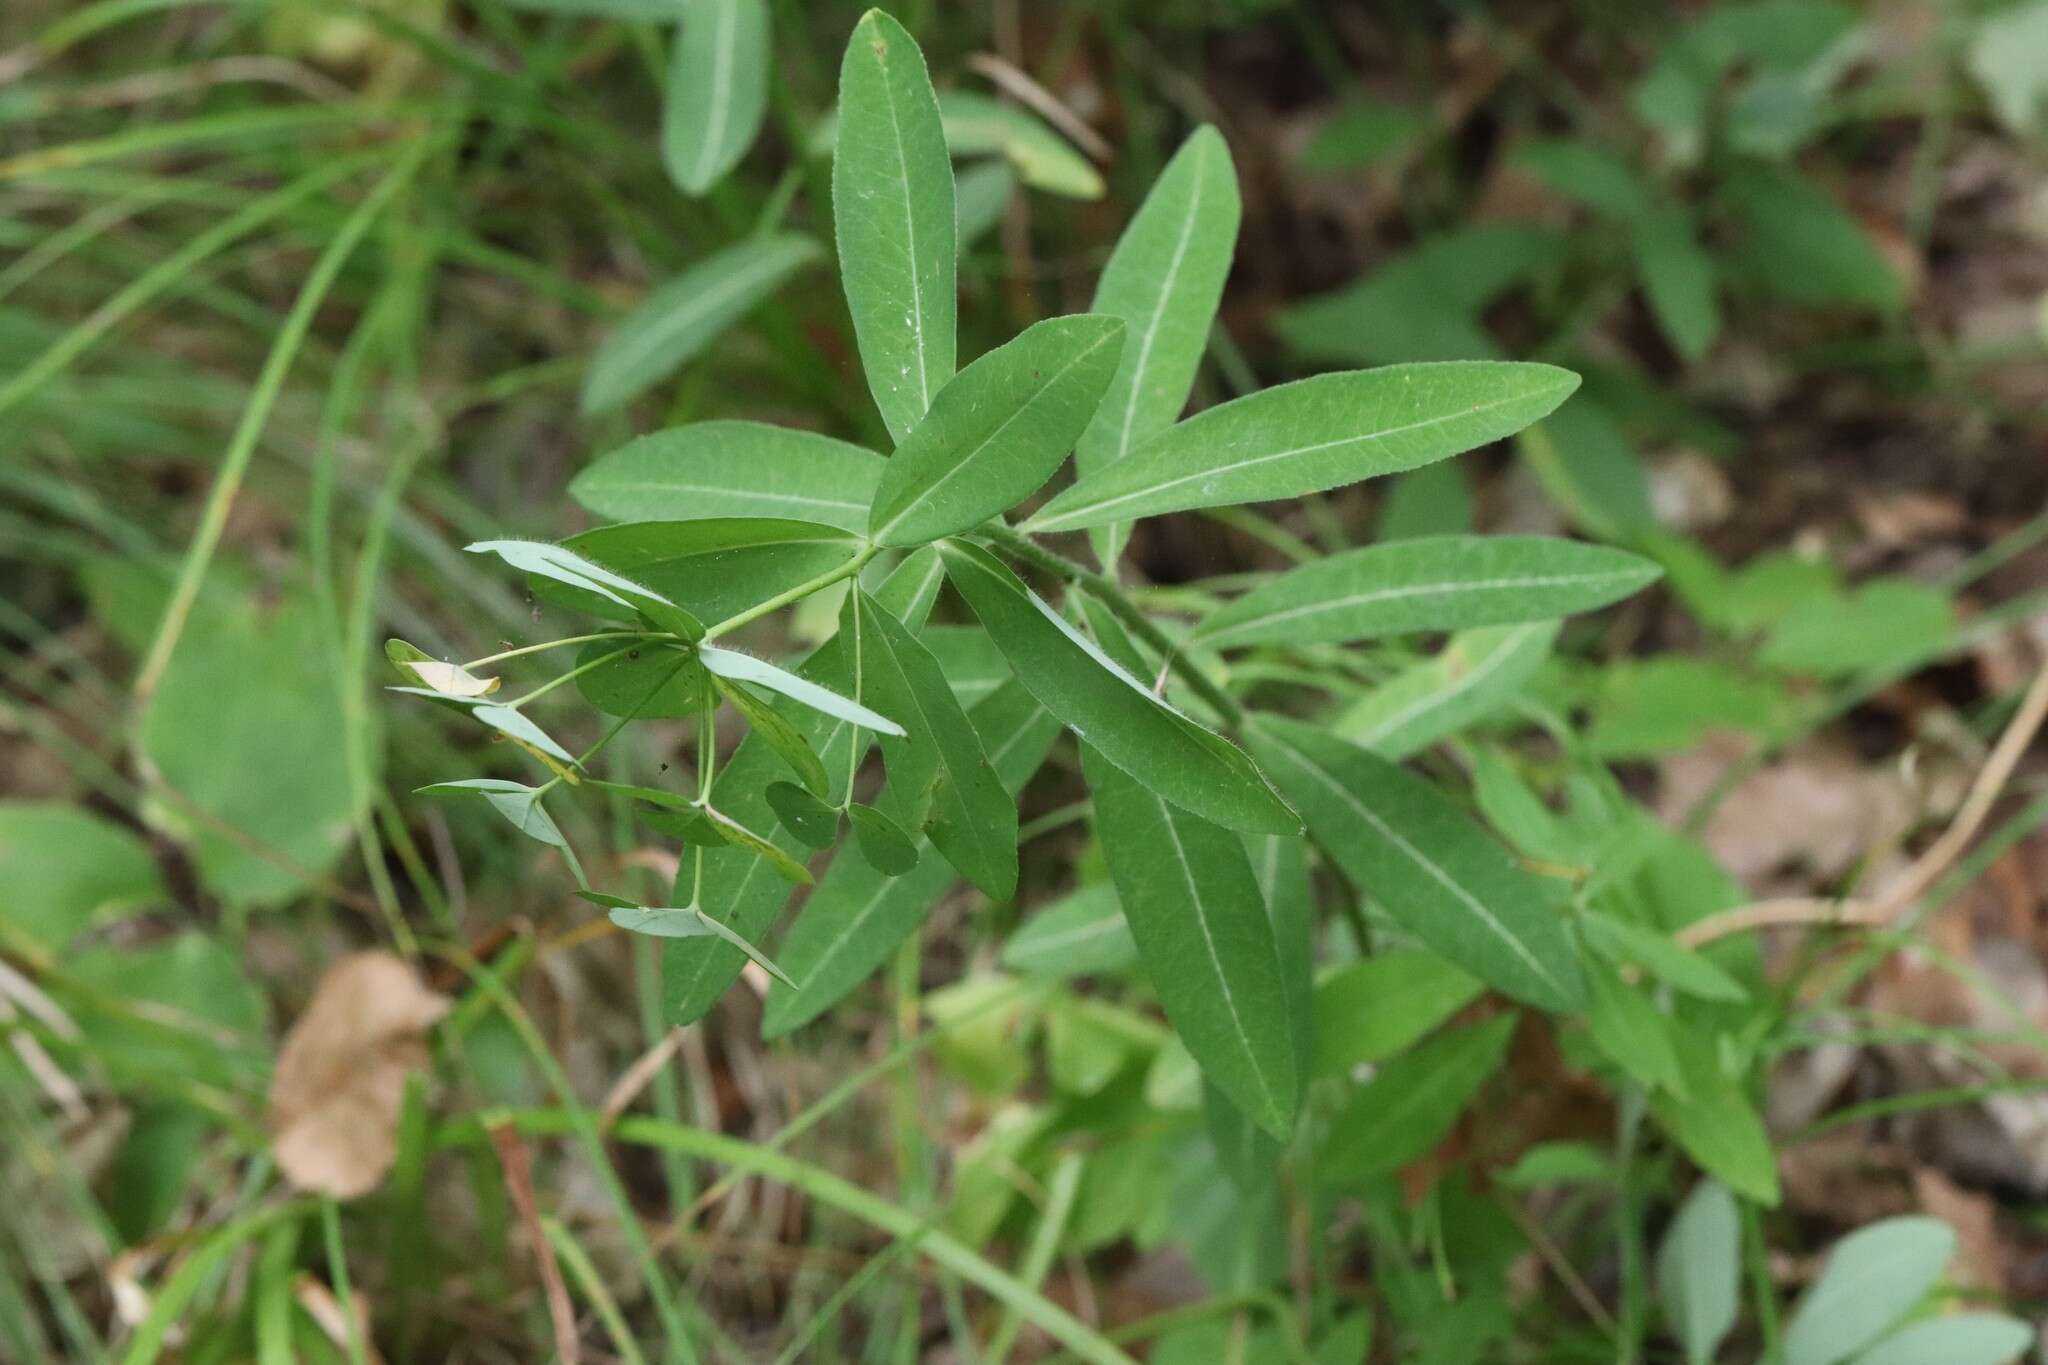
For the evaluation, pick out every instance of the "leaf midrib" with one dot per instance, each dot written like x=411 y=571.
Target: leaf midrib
x=1441 y=588
x=1425 y=863
x=1064 y=519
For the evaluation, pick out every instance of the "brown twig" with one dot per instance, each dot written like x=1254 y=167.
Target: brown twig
x=516 y=1158
x=1926 y=869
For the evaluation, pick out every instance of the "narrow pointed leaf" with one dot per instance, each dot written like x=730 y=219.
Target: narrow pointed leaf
x=517 y=802
x=1314 y=434
x=1657 y=953
x=565 y=566
x=1112 y=711
x=683 y=922
x=1955 y=1339
x=1873 y=1278
x=509 y=722
x=1432 y=583
x=717 y=90
x=732 y=469
x=1084 y=933
x=1202 y=931
x=1044 y=160
x=974 y=821
x=1475 y=674
x=1400 y=840
x=727 y=663
x=996 y=431
x=1410 y=1105
x=688 y=313
x=1164 y=280
x=710 y=568
x=778 y=734
x=1698 y=1270
x=848 y=927
x=893 y=214
x=762 y=847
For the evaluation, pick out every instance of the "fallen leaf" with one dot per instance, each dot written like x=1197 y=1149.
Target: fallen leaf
x=341 y=1077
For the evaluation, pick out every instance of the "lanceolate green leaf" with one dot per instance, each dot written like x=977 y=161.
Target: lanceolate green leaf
x=1086 y=932
x=560 y=564
x=1202 y=931
x=1472 y=676
x=1111 y=710
x=688 y=313
x=517 y=802
x=1314 y=434
x=717 y=90
x=1698 y=1270
x=1163 y=280
x=848 y=928
x=1873 y=1278
x=1400 y=840
x=1044 y=160
x=1432 y=583
x=892 y=212
x=728 y=663
x=974 y=821
x=738 y=889
x=996 y=431
x=1413 y=1101
x=733 y=469
x=710 y=568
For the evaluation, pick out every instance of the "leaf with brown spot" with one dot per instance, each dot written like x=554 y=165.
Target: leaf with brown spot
x=340 y=1078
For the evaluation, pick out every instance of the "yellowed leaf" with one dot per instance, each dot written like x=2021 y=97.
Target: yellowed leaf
x=341 y=1077
x=452 y=679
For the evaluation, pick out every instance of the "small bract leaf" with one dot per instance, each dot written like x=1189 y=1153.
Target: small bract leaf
x=728 y=663
x=997 y=430
x=606 y=900
x=1429 y=583
x=517 y=802
x=717 y=90
x=452 y=679
x=893 y=215
x=882 y=841
x=682 y=922
x=767 y=850
x=1311 y=435
x=732 y=469
x=688 y=313
x=340 y=1077
x=803 y=814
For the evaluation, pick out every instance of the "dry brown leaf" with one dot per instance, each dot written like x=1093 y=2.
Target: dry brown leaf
x=341 y=1077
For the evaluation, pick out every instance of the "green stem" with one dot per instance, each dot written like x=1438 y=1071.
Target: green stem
x=566 y=640
x=1121 y=607
x=578 y=671
x=795 y=594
